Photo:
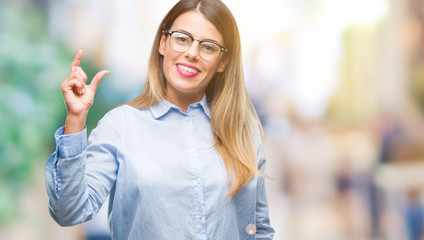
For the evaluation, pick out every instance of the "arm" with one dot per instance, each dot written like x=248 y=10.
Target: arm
x=264 y=230
x=79 y=178
x=75 y=190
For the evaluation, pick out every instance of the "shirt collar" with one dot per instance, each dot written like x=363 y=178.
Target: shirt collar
x=205 y=106
x=165 y=106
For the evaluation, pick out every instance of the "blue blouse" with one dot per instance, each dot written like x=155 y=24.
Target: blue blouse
x=164 y=178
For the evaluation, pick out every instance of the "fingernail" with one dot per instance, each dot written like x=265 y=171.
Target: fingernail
x=82 y=91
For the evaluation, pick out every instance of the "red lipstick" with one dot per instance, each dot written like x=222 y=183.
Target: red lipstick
x=187 y=70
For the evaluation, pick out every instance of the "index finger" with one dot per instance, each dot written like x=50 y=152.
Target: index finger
x=77 y=60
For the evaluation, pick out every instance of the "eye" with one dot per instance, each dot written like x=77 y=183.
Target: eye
x=208 y=47
x=181 y=38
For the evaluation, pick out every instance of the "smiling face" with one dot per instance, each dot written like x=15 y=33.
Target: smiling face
x=187 y=74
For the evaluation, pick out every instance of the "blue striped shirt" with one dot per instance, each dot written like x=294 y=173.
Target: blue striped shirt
x=164 y=178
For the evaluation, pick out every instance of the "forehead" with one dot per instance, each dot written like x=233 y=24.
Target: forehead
x=198 y=25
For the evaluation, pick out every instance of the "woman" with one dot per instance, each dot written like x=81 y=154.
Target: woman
x=181 y=161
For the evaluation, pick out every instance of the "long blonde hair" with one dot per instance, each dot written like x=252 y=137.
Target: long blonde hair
x=234 y=121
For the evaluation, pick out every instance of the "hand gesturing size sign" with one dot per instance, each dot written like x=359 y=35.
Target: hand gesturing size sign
x=78 y=96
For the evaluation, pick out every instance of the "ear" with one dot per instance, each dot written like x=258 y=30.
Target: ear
x=222 y=65
x=162 y=44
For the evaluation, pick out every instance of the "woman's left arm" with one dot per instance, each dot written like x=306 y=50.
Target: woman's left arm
x=264 y=229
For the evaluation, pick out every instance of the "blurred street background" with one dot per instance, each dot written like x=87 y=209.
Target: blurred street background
x=338 y=85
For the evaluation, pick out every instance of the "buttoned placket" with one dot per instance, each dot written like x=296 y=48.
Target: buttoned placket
x=199 y=196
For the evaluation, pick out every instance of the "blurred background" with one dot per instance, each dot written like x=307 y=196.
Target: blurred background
x=338 y=85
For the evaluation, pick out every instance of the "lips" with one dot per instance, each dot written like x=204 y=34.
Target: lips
x=187 y=70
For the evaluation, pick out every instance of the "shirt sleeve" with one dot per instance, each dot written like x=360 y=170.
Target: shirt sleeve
x=79 y=178
x=264 y=230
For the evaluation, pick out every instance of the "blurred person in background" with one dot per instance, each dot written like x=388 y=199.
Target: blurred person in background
x=184 y=160
x=414 y=215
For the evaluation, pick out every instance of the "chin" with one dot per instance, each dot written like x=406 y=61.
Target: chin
x=189 y=91
x=186 y=87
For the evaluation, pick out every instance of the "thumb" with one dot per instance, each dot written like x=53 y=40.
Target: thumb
x=96 y=79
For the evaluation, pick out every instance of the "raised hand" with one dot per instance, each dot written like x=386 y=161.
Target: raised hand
x=78 y=96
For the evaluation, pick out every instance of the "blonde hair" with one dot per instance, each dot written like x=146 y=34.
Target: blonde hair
x=234 y=121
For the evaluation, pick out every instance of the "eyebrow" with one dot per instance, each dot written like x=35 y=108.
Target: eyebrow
x=203 y=40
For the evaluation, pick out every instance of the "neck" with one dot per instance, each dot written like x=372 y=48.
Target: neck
x=184 y=100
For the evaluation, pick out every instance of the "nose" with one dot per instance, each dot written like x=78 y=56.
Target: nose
x=193 y=51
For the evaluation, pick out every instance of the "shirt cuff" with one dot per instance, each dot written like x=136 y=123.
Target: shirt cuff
x=71 y=144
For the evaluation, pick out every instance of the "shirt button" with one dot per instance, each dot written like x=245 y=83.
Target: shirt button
x=193 y=150
x=199 y=180
x=186 y=118
x=251 y=229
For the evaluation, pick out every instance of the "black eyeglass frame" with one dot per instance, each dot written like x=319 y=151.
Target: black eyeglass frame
x=170 y=32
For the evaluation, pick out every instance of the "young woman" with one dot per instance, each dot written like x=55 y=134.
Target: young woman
x=184 y=160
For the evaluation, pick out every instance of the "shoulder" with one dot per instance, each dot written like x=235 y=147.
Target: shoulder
x=127 y=116
x=125 y=108
x=258 y=138
x=123 y=111
x=117 y=121
x=117 y=115
x=257 y=133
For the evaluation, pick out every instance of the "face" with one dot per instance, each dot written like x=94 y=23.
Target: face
x=187 y=74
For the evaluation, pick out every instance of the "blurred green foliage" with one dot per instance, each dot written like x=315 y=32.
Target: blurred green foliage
x=32 y=66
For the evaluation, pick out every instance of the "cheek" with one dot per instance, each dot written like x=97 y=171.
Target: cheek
x=213 y=70
x=166 y=66
x=168 y=62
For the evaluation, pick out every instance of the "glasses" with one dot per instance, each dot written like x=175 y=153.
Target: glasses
x=208 y=49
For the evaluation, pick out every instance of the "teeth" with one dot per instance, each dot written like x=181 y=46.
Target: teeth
x=187 y=69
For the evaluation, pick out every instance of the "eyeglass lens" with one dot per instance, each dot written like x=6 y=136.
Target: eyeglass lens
x=181 y=42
